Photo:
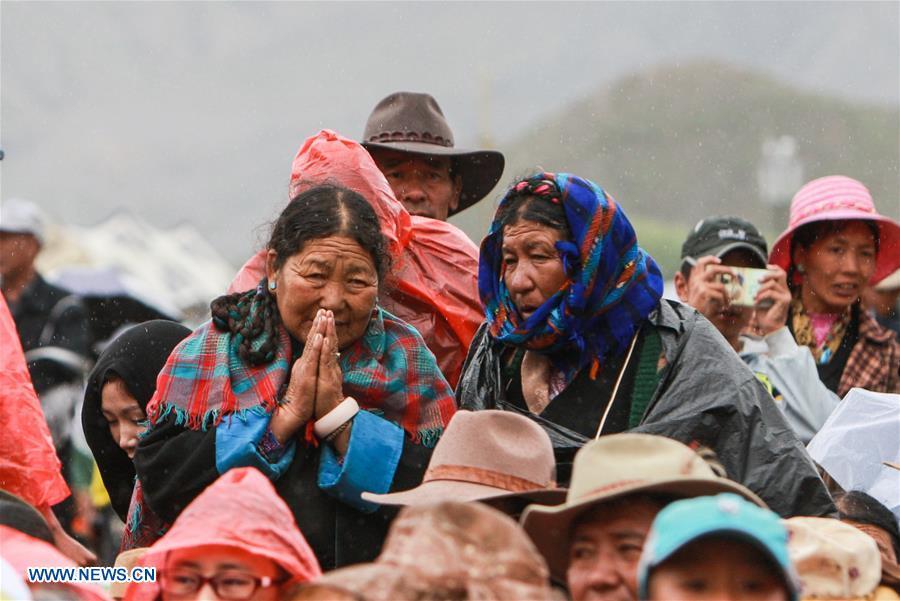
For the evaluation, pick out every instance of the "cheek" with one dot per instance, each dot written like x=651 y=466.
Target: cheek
x=551 y=277
x=576 y=577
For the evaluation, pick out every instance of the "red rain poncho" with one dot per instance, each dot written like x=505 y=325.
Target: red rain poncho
x=434 y=277
x=22 y=552
x=29 y=466
x=241 y=509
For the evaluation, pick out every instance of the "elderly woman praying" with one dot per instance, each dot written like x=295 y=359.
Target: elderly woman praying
x=305 y=378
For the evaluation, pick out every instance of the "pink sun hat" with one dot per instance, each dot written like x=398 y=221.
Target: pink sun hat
x=839 y=198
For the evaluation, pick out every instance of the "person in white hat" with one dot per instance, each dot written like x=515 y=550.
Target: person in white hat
x=593 y=541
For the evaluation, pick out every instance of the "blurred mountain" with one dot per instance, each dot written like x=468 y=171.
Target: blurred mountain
x=191 y=111
x=678 y=143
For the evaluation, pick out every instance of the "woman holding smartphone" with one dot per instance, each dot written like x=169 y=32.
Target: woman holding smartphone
x=836 y=244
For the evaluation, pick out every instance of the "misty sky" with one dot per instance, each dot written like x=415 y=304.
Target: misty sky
x=193 y=111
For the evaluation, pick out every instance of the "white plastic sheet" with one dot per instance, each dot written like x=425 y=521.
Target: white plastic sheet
x=859 y=436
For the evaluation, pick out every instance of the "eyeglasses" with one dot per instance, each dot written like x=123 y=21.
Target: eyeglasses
x=233 y=586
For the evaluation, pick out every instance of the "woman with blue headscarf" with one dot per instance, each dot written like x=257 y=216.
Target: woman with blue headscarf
x=578 y=338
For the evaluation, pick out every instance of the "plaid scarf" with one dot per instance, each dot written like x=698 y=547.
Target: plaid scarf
x=801 y=324
x=612 y=284
x=389 y=370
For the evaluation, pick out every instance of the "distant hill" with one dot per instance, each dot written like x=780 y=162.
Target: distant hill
x=678 y=143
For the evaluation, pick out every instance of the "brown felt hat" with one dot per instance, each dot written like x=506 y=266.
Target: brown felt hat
x=413 y=122
x=486 y=456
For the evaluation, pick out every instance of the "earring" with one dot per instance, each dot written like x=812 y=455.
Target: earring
x=801 y=268
x=272 y=285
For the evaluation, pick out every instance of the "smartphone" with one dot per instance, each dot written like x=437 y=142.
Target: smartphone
x=743 y=286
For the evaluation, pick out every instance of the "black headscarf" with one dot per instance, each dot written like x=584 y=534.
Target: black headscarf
x=136 y=356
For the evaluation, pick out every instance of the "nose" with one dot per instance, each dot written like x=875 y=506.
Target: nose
x=604 y=576
x=206 y=593
x=128 y=439
x=412 y=190
x=519 y=280
x=850 y=262
x=332 y=297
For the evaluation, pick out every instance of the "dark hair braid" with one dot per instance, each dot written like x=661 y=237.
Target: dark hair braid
x=320 y=211
x=536 y=198
x=252 y=318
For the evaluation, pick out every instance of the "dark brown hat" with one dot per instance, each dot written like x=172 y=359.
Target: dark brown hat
x=413 y=122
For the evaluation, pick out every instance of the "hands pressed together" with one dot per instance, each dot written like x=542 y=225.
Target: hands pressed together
x=316 y=384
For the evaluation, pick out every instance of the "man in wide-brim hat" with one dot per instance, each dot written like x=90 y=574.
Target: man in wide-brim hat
x=593 y=541
x=412 y=144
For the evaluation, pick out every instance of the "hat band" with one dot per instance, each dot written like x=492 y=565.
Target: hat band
x=480 y=475
x=862 y=206
x=410 y=136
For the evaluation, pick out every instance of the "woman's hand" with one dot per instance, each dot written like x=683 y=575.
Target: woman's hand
x=330 y=384
x=299 y=403
x=774 y=290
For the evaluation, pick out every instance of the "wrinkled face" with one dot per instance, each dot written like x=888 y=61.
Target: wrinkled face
x=838 y=266
x=717 y=569
x=333 y=273
x=423 y=183
x=17 y=253
x=605 y=548
x=532 y=268
x=234 y=568
x=124 y=415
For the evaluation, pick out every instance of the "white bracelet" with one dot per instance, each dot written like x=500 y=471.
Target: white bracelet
x=337 y=417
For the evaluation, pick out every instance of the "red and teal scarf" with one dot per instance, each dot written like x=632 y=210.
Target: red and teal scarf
x=388 y=370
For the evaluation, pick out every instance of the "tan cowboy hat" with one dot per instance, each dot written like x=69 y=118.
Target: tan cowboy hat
x=614 y=466
x=485 y=455
x=414 y=123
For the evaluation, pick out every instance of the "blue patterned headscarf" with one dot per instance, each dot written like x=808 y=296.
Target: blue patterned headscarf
x=612 y=284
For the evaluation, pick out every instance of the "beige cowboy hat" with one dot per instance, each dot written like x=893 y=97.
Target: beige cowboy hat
x=485 y=455
x=413 y=122
x=613 y=466
x=833 y=560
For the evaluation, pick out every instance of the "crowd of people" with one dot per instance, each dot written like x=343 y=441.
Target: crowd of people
x=379 y=409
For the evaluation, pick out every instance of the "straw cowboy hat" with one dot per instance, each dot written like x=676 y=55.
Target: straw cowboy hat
x=485 y=455
x=614 y=466
x=414 y=123
x=839 y=198
x=833 y=560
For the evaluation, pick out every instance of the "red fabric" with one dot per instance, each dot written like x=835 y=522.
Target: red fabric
x=29 y=466
x=23 y=552
x=434 y=284
x=241 y=509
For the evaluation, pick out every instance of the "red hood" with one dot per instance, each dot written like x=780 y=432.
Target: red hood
x=327 y=156
x=22 y=552
x=29 y=467
x=240 y=509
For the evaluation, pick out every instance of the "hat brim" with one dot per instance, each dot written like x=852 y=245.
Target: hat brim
x=888 y=241
x=480 y=170
x=435 y=491
x=549 y=527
